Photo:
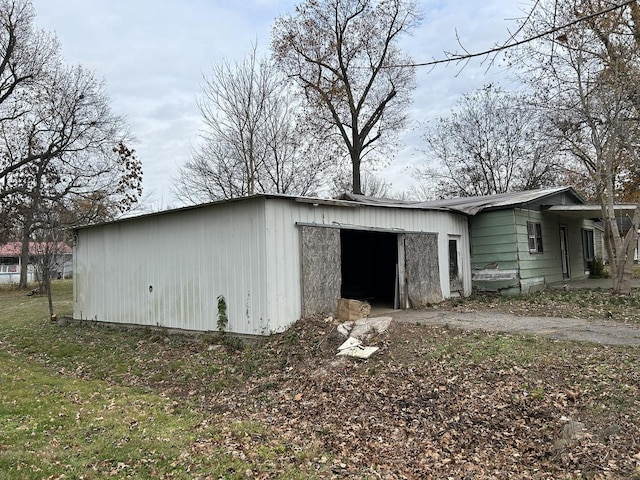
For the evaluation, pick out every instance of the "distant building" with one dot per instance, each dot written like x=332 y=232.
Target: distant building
x=10 y=261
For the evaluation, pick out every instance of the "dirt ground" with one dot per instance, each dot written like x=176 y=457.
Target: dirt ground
x=588 y=317
x=598 y=331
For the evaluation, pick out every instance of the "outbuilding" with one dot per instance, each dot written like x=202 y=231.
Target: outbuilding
x=267 y=260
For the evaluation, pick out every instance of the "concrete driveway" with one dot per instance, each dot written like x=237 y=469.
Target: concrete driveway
x=605 y=332
x=596 y=331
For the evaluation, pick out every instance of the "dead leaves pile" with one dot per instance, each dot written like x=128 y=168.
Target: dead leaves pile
x=434 y=402
x=416 y=411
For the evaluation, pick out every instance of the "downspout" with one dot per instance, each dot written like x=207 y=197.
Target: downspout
x=515 y=234
x=470 y=247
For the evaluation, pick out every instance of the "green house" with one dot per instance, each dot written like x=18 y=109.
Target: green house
x=523 y=241
x=520 y=242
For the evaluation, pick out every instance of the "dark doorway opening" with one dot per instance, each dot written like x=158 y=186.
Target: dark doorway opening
x=368 y=266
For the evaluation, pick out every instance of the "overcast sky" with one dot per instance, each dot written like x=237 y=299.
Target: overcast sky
x=152 y=55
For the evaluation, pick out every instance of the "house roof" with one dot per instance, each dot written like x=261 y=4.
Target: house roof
x=13 y=249
x=462 y=205
x=474 y=205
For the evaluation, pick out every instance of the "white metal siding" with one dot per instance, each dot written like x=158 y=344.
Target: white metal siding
x=283 y=245
x=187 y=257
x=247 y=250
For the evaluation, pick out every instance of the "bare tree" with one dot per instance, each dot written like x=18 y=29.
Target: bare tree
x=492 y=142
x=57 y=134
x=588 y=76
x=371 y=184
x=27 y=55
x=48 y=248
x=252 y=142
x=25 y=52
x=75 y=147
x=344 y=56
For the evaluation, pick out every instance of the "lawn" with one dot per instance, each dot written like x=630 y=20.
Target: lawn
x=87 y=401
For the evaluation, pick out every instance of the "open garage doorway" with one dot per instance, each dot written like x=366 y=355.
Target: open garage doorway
x=387 y=269
x=369 y=266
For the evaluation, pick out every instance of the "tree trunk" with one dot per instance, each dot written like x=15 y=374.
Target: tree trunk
x=608 y=244
x=355 y=164
x=622 y=257
x=624 y=269
x=24 y=254
x=46 y=281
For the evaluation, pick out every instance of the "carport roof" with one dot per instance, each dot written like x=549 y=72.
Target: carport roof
x=590 y=211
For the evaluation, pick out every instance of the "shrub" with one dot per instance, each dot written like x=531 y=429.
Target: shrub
x=223 y=320
x=596 y=269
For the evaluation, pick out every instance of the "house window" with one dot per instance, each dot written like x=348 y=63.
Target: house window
x=534 y=232
x=588 y=247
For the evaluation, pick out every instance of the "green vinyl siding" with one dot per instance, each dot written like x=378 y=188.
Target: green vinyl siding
x=548 y=264
x=498 y=218
x=500 y=244
x=495 y=230
x=506 y=261
x=492 y=240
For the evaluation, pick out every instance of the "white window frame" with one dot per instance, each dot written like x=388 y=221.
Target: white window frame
x=534 y=237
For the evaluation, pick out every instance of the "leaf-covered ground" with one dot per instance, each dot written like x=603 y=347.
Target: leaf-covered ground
x=587 y=304
x=439 y=403
x=433 y=403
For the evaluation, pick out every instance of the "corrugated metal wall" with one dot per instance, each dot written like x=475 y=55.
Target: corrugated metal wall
x=169 y=269
x=283 y=244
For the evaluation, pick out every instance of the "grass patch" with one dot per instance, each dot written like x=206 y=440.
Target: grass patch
x=85 y=401
x=52 y=426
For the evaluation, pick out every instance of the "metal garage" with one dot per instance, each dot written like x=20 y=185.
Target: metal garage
x=272 y=258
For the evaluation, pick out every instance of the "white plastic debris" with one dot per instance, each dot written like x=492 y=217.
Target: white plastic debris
x=358 y=332
x=369 y=326
x=350 y=343
x=345 y=328
x=379 y=324
x=359 y=351
x=353 y=347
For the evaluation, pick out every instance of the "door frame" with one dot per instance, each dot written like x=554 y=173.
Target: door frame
x=456 y=287
x=564 y=253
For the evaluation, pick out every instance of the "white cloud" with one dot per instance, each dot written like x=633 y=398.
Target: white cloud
x=152 y=54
